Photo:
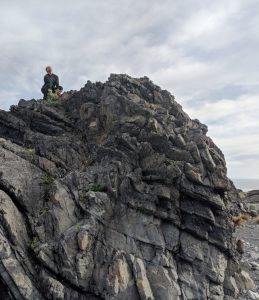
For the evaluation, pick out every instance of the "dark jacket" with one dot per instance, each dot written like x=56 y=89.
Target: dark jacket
x=52 y=81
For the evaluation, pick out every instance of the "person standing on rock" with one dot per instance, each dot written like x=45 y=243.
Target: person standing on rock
x=51 y=82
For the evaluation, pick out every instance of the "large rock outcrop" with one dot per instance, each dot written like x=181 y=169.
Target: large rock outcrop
x=115 y=193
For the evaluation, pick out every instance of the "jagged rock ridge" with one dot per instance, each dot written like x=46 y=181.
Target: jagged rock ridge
x=114 y=194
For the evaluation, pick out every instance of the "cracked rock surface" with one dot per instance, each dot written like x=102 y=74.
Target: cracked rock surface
x=115 y=193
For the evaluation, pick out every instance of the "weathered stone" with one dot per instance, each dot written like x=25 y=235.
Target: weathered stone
x=164 y=283
x=142 y=282
x=2 y=141
x=120 y=281
x=114 y=194
x=192 y=174
x=207 y=158
x=83 y=239
x=244 y=281
x=252 y=295
x=230 y=286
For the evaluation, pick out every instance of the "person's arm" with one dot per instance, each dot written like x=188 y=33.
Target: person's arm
x=46 y=79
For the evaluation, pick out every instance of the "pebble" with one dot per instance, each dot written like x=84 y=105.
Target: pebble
x=253 y=295
x=254 y=265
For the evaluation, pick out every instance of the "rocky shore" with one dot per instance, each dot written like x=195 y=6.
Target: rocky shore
x=249 y=234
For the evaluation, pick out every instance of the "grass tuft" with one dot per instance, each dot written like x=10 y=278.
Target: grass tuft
x=52 y=99
x=97 y=188
x=30 y=151
x=48 y=182
x=34 y=243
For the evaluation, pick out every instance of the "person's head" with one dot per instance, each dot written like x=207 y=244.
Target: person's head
x=49 y=70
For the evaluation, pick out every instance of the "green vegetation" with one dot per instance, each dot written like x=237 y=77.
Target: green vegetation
x=34 y=243
x=78 y=226
x=81 y=198
x=47 y=181
x=92 y=188
x=30 y=151
x=97 y=188
x=252 y=207
x=52 y=99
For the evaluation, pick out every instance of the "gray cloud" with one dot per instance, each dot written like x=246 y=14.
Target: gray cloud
x=204 y=52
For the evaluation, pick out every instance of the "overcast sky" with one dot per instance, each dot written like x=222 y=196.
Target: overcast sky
x=204 y=52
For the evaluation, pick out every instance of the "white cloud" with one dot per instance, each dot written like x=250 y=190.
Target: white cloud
x=243 y=169
x=244 y=107
x=233 y=124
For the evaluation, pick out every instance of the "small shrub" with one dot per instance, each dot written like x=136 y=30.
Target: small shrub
x=252 y=207
x=34 y=243
x=97 y=188
x=52 y=99
x=78 y=226
x=81 y=198
x=240 y=219
x=47 y=181
x=30 y=151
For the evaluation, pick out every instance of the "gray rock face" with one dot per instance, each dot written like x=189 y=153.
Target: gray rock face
x=252 y=197
x=114 y=194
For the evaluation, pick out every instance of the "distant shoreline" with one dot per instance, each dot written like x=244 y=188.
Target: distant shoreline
x=246 y=184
